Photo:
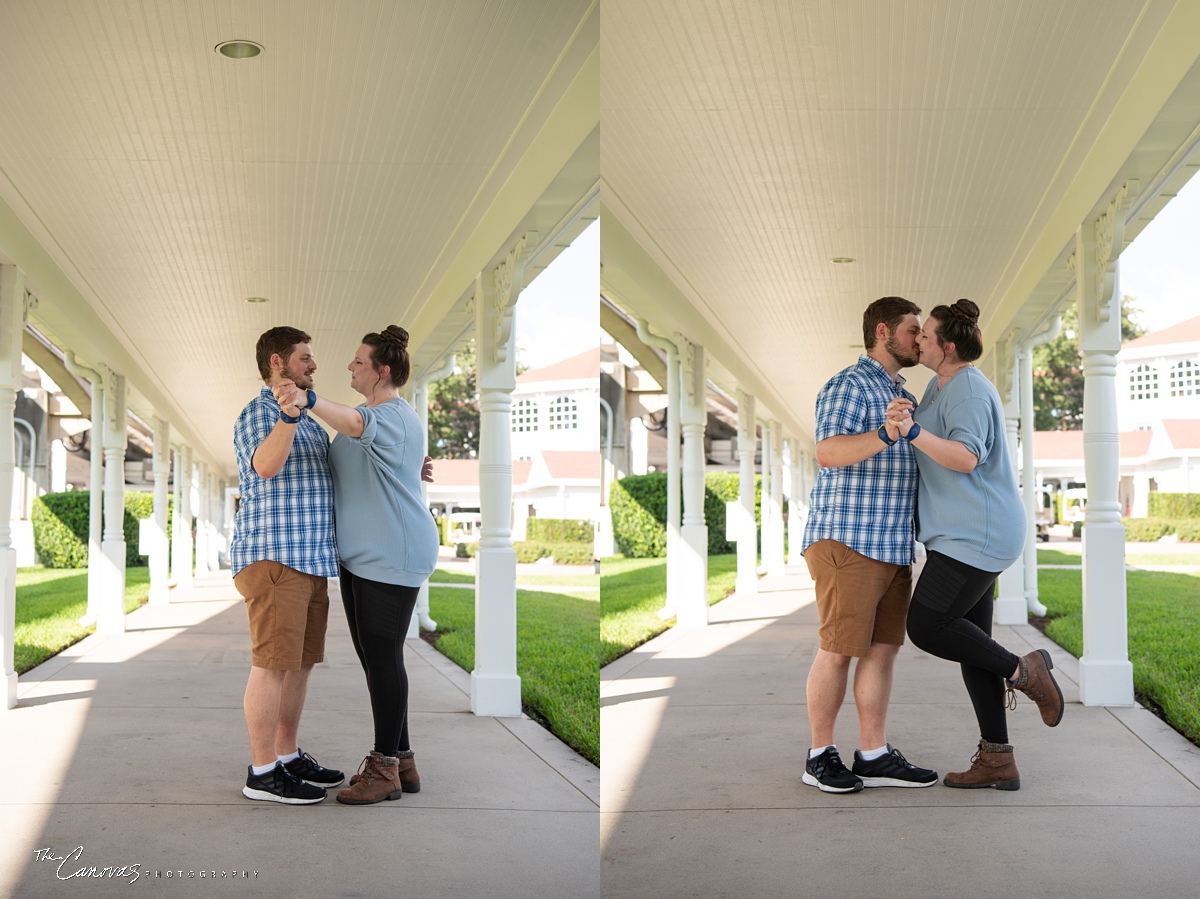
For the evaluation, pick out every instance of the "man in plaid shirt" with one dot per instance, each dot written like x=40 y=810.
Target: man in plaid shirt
x=282 y=552
x=858 y=544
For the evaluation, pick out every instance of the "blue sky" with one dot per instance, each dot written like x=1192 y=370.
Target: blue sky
x=558 y=315
x=1161 y=268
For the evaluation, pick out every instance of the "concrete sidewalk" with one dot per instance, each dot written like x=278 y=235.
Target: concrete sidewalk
x=704 y=734
x=134 y=748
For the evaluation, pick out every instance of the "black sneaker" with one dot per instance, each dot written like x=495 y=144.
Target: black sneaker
x=280 y=785
x=306 y=768
x=892 y=770
x=829 y=774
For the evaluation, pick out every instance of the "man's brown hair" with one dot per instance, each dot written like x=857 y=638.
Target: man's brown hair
x=890 y=311
x=281 y=340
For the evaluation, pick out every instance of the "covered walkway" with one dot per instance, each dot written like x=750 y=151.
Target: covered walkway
x=704 y=732
x=142 y=763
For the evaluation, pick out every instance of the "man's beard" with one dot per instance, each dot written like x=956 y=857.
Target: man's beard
x=304 y=382
x=913 y=357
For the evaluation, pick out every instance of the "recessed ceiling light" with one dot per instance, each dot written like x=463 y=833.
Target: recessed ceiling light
x=239 y=49
x=842 y=260
x=257 y=300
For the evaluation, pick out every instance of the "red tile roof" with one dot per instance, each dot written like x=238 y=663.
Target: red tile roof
x=573 y=464
x=1069 y=444
x=1184 y=332
x=585 y=365
x=1184 y=433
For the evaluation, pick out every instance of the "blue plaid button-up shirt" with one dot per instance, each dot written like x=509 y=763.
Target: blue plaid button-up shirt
x=287 y=518
x=867 y=506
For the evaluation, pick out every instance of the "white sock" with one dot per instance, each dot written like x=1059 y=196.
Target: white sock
x=260 y=770
x=813 y=753
x=871 y=754
x=290 y=758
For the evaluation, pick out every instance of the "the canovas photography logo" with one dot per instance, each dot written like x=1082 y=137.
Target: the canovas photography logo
x=71 y=866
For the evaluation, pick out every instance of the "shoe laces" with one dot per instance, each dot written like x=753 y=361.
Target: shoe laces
x=831 y=762
x=1010 y=698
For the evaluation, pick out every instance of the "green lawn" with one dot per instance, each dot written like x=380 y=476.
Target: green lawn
x=633 y=590
x=50 y=602
x=1132 y=557
x=1164 y=636
x=556 y=657
x=549 y=579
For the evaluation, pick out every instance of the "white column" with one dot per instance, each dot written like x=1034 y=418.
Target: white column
x=58 y=467
x=12 y=326
x=692 y=608
x=495 y=685
x=1030 y=485
x=159 y=574
x=200 y=512
x=214 y=546
x=797 y=501
x=1011 y=605
x=674 y=491
x=227 y=518
x=1141 y=494
x=181 y=527
x=773 y=557
x=95 y=485
x=747 y=530
x=110 y=614
x=421 y=617
x=1105 y=672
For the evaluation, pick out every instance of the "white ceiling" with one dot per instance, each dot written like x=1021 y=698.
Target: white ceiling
x=343 y=174
x=950 y=147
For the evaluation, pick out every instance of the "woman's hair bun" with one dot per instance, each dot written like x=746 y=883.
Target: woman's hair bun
x=967 y=310
x=397 y=335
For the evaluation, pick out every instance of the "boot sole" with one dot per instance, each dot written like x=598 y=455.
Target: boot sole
x=393 y=795
x=1014 y=784
x=411 y=788
x=1062 y=706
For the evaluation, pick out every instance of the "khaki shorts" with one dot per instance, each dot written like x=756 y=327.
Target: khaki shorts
x=288 y=612
x=860 y=601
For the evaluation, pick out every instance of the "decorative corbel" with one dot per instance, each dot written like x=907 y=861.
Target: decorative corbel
x=31 y=302
x=507 y=280
x=1110 y=240
x=687 y=366
x=1006 y=359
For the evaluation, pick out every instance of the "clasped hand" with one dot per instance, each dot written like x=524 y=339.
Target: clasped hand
x=292 y=399
x=899 y=418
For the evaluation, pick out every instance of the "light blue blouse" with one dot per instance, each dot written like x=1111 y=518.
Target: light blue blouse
x=385 y=532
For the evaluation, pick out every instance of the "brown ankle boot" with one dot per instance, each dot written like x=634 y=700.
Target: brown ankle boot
x=992 y=765
x=1036 y=682
x=378 y=779
x=410 y=780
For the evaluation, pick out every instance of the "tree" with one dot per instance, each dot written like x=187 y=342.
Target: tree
x=454 y=411
x=1058 y=371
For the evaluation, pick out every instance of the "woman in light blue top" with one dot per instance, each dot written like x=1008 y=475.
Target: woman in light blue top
x=387 y=541
x=972 y=522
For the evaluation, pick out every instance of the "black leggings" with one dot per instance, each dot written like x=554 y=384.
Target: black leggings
x=951 y=617
x=378 y=615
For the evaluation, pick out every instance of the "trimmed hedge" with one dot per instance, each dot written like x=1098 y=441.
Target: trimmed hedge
x=1148 y=530
x=561 y=553
x=638 y=504
x=1175 y=506
x=559 y=530
x=60 y=527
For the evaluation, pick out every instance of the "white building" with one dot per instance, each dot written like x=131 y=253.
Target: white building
x=556 y=463
x=1158 y=407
